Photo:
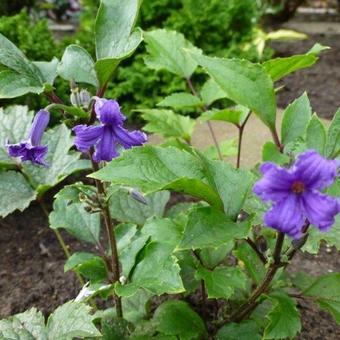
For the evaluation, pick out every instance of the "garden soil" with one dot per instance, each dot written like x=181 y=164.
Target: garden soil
x=31 y=262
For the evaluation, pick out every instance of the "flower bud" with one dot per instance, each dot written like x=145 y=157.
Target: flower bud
x=138 y=196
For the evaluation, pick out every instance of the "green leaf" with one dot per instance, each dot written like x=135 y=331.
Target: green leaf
x=236 y=115
x=180 y=100
x=124 y=208
x=72 y=110
x=73 y=218
x=270 y=153
x=15 y=191
x=250 y=261
x=239 y=331
x=158 y=270
x=284 y=318
x=167 y=50
x=295 y=119
x=93 y=269
x=168 y=124
x=114 y=328
x=76 y=259
x=153 y=168
x=222 y=281
x=61 y=162
x=208 y=227
x=228 y=148
x=29 y=325
x=212 y=257
x=15 y=124
x=316 y=135
x=71 y=320
x=22 y=76
x=114 y=36
x=211 y=92
x=177 y=318
x=77 y=64
x=333 y=140
x=325 y=290
x=245 y=83
x=280 y=67
x=48 y=70
x=231 y=184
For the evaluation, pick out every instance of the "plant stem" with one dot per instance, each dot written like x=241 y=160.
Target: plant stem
x=205 y=107
x=277 y=140
x=53 y=98
x=203 y=291
x=109 y=227
x=240 y=137
x=256 y=249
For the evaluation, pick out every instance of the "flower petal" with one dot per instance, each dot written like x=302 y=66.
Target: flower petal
x=108 y=112
x=28 y=152
x=275 y=184
x=106 y=149
x=39 y=125
x=286 y=216
x=315 y=171
x=128 y=139
x=86 y=136
x=320 y=209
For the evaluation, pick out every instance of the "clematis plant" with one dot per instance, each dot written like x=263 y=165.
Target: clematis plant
x=195 y=226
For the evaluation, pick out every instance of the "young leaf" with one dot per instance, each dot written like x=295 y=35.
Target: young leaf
x=77 y=64
x=158 y=270
x=316 y=135
x=78 y=222
x=295 y=119
x=325 y=290
x=222 y=281
x=284 y=318
x=136 y=306
x=239 y=331
x=227 y=148
x=71 y=320
x=153 y=168
x=15 y=192
x=168 y=124
x=177 y=318
x=236 y=115
x=212 y=257
x=180 y=100
x=77 y=259
x=211 y=92
x=245 y=83
x=333 y=140
x=270 y=153
x=48 y=70
x=166 y=50
x=93 y=269
x=207 y=227
x=114 y=35
x=126 y=209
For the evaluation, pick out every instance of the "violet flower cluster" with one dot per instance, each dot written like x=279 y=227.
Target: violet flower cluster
x=110 y=133
x=297 y=195
x=31 y=149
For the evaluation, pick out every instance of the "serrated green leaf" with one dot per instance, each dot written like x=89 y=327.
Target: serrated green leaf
x=153 y=168
x=222 y=281
x=73 y=218
x=114 y=36
x=180 y=100
x=48 y=70
x=316 y=135
x=93 y=269
x=227 y=148
x=284 y=318
x=77 y=64
x=167 y=50
x=76 y=259
x=207 y=227
x=158 y=270
x=235 y=115
x=211 y=92
x=168 y=124
x=124 y=208
x=333 y=139
x=212 y=257
x=270 y=153
x=15 y=192
x=295 y=119
x=245 y=83
x=71 y=320
x=177 y=318
x=245 y=330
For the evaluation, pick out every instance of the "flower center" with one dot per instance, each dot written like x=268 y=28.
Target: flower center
x=298 y=187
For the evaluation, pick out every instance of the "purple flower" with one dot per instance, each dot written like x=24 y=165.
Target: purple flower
x=107 y=135
x=30 y=149
x=296 y=194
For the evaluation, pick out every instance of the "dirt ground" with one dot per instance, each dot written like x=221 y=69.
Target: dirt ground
x=31 y=262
